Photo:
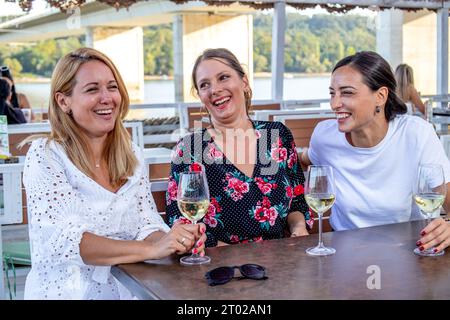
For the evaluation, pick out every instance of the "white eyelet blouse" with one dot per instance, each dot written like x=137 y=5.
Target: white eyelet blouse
x=63 y=203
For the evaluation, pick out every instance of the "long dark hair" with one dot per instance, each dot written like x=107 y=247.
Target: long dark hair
x=376 y=73
x=7 y=74
x=13 y=116
x=5 y=91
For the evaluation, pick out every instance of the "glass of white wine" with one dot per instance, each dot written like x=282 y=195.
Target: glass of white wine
x=429 y=196
x=193 y=202
x=320 y=196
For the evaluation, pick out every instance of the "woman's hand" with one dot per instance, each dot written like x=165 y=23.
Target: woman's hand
x=297 y=224
x=299 y=231
x=181 y=239
x=435 y=234
x=304 y=159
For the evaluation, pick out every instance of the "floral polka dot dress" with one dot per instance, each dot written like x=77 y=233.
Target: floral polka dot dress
x=242 y=208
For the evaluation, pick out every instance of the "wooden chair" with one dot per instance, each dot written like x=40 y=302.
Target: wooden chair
x=158 y=189
x=258 y=106
x=302 y=125
x=197 y=117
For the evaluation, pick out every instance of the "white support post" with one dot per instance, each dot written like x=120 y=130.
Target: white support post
x=2 y=285
x=278 y=42
x=178 y=57
x=89 y=37
x=442 y=52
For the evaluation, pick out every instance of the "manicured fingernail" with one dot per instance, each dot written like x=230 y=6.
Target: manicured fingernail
x=202 y=230
x=199 y=243
x=418 y=243
x=202 y=254
x=421 y=248
x=195 y=251
x=422 y=233
x=435 y=250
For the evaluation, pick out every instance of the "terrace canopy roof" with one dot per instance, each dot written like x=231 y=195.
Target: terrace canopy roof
x=331 y=6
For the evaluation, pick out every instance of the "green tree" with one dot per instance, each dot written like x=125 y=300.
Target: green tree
x=262 y=50
x=158 y=50
x=314 y=44
x=14 y=65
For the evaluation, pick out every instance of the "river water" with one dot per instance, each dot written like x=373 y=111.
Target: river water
x=163 y=91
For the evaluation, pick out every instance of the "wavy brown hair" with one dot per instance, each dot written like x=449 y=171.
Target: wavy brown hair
x=225 y=56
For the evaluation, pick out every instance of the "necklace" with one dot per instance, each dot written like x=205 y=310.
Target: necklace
x=97 y=165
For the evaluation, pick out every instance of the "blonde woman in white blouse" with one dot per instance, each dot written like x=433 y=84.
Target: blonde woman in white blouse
x=88 y=194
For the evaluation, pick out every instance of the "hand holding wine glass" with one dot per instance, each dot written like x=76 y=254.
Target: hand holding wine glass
x=193 y=202
x=320 y=196
x=429 y=196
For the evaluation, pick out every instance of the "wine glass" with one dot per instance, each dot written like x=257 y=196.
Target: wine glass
x=429 y=196
x=193 y=202
x=320 y=196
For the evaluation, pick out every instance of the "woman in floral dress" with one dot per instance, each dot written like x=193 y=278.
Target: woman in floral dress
x=255 y=180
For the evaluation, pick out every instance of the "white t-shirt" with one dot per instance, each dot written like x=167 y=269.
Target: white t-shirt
x=374 y=186
x=63 y=203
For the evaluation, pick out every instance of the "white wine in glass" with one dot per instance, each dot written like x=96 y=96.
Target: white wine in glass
x=320 y=196
x=193 y=202
x=429 y=196
x=193 y=210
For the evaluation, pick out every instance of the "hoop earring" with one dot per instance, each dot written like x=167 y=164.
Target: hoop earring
x=248 y=102
x=203 y=109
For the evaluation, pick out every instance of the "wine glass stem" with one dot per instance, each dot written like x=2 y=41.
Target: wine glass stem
x=320 y=230
x=194 y=255
x=427 y=217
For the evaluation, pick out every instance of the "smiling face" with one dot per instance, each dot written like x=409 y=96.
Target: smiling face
x=95 y=99
x=221 y=90
x=354 y=102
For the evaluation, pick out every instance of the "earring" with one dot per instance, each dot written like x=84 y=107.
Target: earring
x=203 y=109
x=377 y=109
x=70 y=112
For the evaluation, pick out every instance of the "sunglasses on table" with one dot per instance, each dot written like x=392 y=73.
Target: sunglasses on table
x=223 y=275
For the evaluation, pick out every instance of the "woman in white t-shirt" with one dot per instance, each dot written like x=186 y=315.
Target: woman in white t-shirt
x=88 y=194
x=375 y=150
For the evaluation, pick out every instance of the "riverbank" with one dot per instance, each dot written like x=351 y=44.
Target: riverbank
x=163 y=91
x=291 y=75
x=32 y=80
x=164 y=77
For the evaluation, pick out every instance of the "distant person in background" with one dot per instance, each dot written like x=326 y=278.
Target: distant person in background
x=17 y=100
x=14 y=116
x=406 y=90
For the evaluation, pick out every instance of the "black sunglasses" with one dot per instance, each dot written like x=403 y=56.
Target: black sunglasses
x=223 y=275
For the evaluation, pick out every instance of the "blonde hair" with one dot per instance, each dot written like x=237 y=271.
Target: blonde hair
x=118 y=151
x=405 y=78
